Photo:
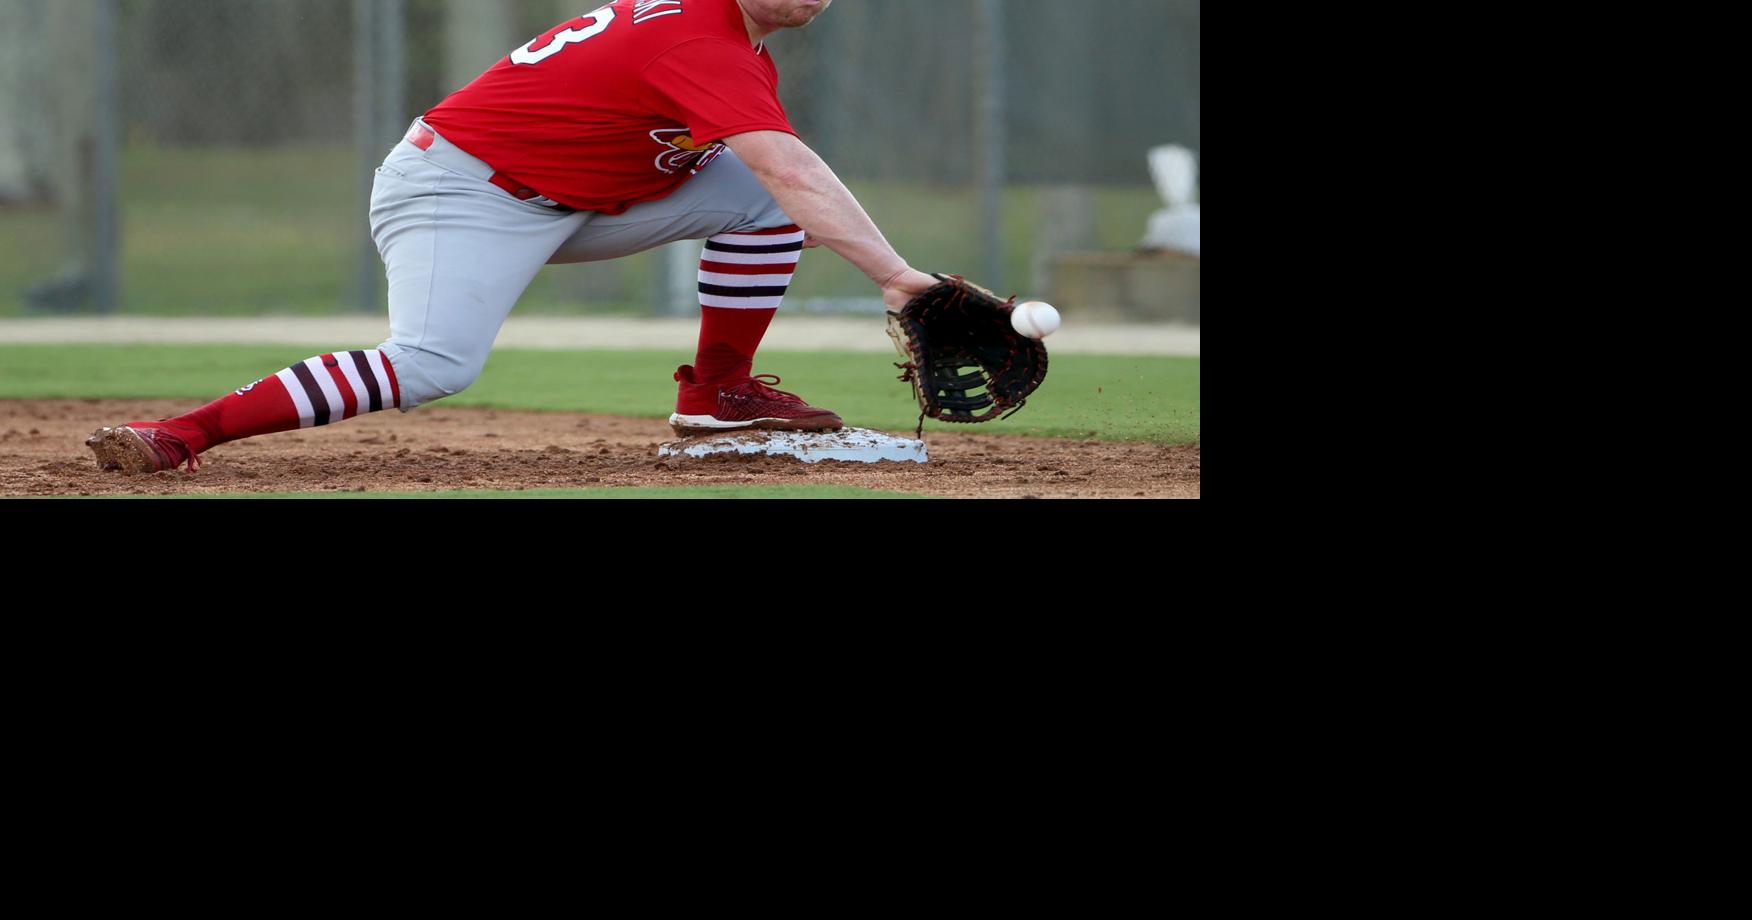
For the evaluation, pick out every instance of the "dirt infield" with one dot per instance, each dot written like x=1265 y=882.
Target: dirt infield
x=42 y=452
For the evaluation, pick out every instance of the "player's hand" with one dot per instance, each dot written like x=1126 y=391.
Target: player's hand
x=810 y=242
x=905 y=286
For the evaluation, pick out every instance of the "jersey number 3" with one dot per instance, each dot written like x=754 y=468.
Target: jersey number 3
x=559 y=39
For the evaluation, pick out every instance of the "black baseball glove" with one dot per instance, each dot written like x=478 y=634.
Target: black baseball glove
x=966 y=363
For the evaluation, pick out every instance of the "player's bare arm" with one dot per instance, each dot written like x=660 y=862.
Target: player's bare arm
x=807 y=189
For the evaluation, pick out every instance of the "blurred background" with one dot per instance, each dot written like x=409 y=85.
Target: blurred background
x=214 y=157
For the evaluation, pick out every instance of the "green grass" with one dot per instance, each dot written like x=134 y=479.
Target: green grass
x=711 y=492
x=214 y=232
x=1109 y=398
x=228 y=232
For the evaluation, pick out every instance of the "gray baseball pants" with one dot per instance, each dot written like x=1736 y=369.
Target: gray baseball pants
x=460 y=251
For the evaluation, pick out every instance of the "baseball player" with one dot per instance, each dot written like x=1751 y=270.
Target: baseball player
x=640 y=124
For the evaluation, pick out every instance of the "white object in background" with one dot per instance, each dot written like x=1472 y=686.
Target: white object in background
x=848 y=445
x=1175 y=171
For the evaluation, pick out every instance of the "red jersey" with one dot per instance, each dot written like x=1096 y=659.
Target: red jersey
x=618 y=106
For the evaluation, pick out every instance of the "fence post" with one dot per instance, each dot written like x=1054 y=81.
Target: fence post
x=107 y=256
x=991 y=106
x=365 y=138
x=379 y=113
x=477 y=33
x=392 y=72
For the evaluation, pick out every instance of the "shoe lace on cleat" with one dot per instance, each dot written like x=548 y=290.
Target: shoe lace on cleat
x=758 y=386
x=170 y=449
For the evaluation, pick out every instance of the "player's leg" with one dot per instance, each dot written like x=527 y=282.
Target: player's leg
x=752 y=252
x=458 y=251
x=317 y=391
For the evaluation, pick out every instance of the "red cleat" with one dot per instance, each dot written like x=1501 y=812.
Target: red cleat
x=140 y=447
x=733 y=405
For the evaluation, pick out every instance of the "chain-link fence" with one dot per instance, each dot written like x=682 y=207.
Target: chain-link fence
x=213 y=156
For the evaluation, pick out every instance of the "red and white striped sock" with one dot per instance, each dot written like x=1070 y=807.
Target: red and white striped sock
x=329 y=388
x=318 y=391
x=743 y=281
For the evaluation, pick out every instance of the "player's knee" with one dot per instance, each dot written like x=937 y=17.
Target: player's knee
x=763 y=213
x=771 y=217
x=741 y=190
x=428 y=376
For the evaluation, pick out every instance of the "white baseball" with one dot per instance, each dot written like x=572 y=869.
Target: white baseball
x=1035 y=320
